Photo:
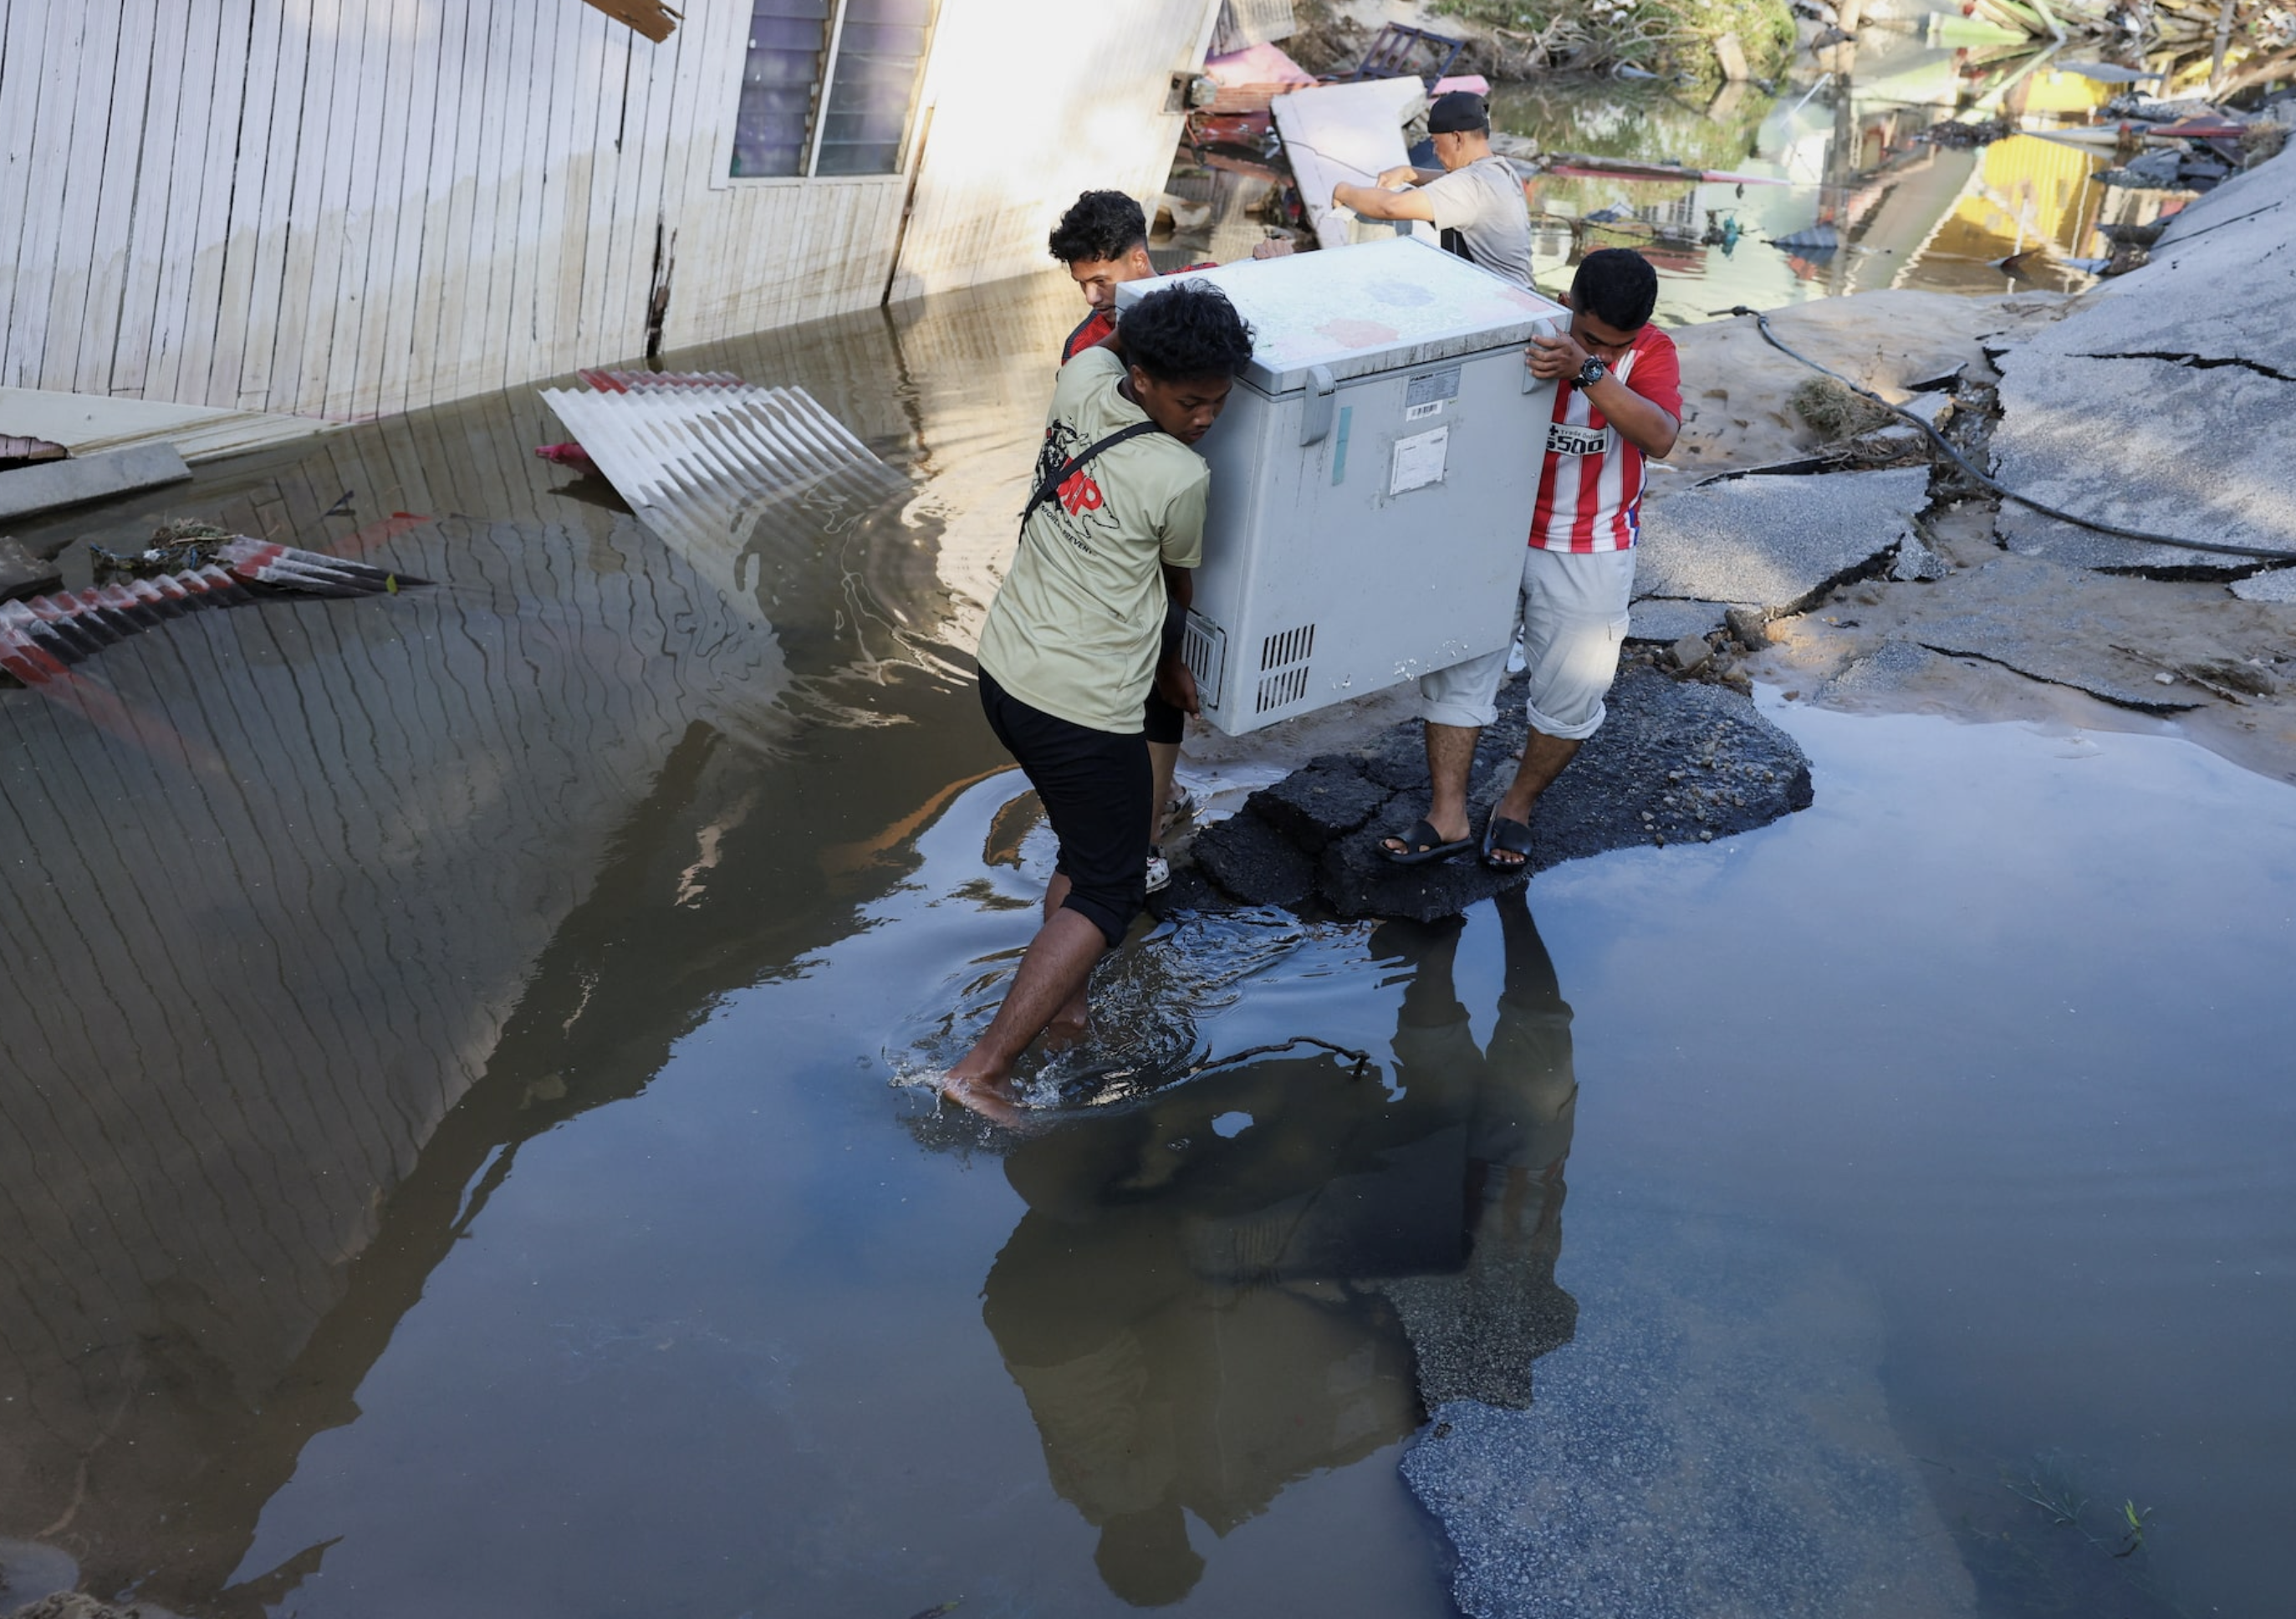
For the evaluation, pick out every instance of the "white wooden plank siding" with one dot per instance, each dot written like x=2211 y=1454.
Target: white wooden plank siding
x=184 y=330
x=352 y=207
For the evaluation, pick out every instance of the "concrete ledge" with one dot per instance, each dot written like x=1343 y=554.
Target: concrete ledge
x=30 y=490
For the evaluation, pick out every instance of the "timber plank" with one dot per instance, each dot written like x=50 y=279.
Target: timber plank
x=590 y=191
x=421 y=356
x=254 y=264
x=145 y=86
x=155 y=302
x=85 y=123
x=532 y=163
x=391 y=192
x=654 y=19
x=606 y=276
x=412 y=90
x=557 y=174
x=494 y=229
x=302 y=218
x=685 y=164
x=639 y=210
x=421 y=206
x=356 y=119
x=24 y=57
x=330 y=105
x=452 y=276
x=182 y=372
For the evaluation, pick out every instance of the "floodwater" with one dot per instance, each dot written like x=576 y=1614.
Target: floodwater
x=458 y=1151
x=1844 y=142
x=1846 y=148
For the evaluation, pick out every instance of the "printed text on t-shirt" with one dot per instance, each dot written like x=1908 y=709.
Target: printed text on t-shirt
x=1562 y=439
x=1080 y=494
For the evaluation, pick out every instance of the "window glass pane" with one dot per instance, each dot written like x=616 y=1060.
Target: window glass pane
x=878 y=54
x=774 y=127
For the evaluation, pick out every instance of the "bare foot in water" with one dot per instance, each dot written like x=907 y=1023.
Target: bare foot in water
x=994 y=1100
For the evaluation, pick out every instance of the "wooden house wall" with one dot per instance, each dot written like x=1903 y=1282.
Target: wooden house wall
x=352 y=207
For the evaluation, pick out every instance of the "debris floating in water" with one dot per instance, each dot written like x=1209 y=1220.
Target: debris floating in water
x=1817 y=238
x=187 y=565
x=567 y=454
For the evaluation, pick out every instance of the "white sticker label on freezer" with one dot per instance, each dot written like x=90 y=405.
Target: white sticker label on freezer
x=1419 y=461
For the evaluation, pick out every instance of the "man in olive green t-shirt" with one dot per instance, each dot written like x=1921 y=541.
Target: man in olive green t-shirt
x=1072 y=643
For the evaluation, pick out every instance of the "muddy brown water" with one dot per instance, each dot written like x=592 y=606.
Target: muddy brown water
x=458 y=1152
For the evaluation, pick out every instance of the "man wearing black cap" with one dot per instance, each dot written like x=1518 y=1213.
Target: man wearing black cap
x=1478 y=204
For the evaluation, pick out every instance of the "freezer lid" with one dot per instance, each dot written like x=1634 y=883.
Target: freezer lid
x=1357 y=311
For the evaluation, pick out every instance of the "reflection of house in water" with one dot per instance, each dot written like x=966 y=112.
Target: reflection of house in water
x=399 y=882
x=1236 y=1284
x=1942 y=217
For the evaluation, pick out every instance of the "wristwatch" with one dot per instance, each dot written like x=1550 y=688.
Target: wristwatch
x=1593 y=372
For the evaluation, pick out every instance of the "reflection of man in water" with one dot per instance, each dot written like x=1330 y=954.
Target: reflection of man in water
x=1201 y=1309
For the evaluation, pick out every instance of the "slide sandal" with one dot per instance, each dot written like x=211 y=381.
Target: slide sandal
x=1512 y=836
x=1427 y=846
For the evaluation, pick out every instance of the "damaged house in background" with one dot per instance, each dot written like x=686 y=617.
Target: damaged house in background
x=268 y=209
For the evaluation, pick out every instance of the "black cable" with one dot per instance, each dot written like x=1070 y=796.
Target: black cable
x=1956 y=456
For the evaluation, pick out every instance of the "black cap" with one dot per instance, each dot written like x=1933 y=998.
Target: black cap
x=1458 y=112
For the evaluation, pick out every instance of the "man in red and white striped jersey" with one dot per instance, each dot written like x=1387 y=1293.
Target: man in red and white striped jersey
x=1619 y=400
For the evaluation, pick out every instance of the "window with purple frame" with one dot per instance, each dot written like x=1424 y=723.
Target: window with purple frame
x=829 y=86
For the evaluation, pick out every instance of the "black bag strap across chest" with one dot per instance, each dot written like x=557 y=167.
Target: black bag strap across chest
x=1060 y=475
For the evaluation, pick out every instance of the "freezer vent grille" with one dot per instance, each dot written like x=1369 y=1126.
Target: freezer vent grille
x=1292 y=646
x=1204 y=647
x=1284 y=666
x=1285 y=686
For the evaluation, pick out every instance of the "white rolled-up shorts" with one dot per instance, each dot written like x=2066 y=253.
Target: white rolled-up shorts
x=1571 y=612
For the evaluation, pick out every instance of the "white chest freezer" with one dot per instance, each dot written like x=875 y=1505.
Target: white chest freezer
x=1373 y=476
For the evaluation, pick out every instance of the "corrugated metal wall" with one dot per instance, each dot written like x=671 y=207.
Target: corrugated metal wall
x=350 y=208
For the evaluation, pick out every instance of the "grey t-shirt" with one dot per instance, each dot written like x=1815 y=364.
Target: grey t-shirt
x=1484 y=204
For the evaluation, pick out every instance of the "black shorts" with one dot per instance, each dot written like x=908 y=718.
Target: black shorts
x=1093 y=786
x=1161 y=721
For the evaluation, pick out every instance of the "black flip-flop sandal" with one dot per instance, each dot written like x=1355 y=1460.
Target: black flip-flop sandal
x=1511 y=835
x=1427 y=846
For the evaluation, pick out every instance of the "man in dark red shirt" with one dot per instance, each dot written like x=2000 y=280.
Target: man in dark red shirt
x=1103 y=240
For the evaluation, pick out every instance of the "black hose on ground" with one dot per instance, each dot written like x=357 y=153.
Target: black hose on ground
x=1763 y=321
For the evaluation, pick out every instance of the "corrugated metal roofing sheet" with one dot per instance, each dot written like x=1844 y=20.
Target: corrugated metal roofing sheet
x=707 y=465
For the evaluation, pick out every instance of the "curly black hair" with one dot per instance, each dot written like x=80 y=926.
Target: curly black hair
x=1616 y=286
x=1099 y=225
x=1184 y=332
